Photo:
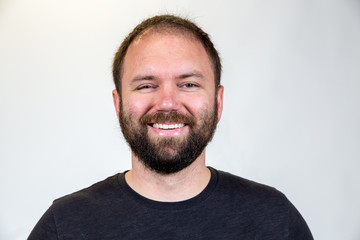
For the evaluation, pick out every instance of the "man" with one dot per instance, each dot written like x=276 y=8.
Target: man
x=169 y=100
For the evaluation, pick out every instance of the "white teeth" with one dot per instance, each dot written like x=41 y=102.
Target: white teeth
x=168 y=126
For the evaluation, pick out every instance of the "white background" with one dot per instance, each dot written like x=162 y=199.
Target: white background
x=291 y=115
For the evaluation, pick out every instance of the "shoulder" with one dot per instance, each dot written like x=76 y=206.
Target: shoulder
x=272 y=212
x=235 y=183
x=93 y=195
x=247 y=191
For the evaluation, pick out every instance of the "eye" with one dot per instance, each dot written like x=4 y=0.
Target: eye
x=145 y=86
x=189 y=85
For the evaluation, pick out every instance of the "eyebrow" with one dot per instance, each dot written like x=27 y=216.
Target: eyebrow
x=143 y=77
x=191 y=74
x=181 y=76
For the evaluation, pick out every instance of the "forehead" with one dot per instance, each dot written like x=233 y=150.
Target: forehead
x=170 y=48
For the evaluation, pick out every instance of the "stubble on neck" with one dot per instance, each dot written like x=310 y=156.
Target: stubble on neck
x=174 y=187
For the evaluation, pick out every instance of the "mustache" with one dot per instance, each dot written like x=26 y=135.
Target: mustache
x=171 y=116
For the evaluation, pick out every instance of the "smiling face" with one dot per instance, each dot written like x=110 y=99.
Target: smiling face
x=168 y=110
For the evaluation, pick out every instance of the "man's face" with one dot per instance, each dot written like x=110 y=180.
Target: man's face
x=168 y=111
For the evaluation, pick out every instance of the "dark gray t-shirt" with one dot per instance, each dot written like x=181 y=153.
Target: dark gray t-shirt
x=230 y=207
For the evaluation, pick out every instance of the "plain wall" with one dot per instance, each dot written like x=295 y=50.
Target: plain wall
x=291 y=110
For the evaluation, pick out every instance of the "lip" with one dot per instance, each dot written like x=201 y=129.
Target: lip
x=169 y=132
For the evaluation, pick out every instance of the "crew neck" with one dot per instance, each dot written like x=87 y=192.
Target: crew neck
x=179 y=205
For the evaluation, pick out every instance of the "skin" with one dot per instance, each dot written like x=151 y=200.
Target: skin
x=168 y=72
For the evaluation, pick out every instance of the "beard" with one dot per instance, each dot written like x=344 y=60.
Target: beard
x=166 y=155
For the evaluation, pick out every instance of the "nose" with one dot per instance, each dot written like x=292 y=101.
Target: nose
x=167 y=99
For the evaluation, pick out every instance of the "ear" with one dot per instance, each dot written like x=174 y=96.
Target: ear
x=116 y=99
x=219 y=99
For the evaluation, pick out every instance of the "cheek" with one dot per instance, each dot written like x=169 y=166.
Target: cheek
x=198 y=104
x=137 y=105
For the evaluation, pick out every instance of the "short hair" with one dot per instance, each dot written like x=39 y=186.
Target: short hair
x=166 y=23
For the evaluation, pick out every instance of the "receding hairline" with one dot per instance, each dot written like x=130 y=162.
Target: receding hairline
x=166 y=29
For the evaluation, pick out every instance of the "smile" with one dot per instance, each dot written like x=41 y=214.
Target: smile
x=167 y=126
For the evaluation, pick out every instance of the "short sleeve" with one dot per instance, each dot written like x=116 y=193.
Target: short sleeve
x=298 y=229
x=45 y=229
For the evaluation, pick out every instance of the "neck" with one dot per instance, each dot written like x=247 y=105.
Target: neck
x=179 y=186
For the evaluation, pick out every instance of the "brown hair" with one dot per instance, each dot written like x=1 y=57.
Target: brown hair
x=166 y=23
